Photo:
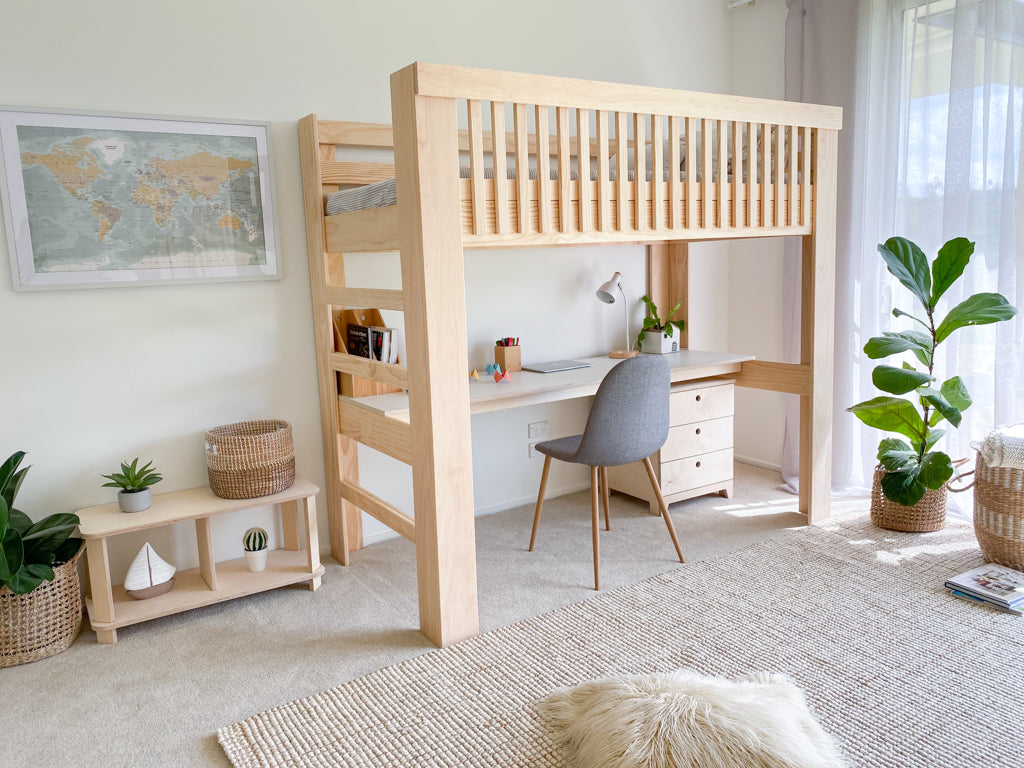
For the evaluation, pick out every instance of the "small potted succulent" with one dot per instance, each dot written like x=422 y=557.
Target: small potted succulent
x=255 y=543
x=134 y=482
x=657 y=336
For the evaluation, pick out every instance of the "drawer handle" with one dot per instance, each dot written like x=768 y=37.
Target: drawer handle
x=698 y=398
x=698 y=430
x=698 y=465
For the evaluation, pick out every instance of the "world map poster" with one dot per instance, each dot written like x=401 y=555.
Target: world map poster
x=110 y=200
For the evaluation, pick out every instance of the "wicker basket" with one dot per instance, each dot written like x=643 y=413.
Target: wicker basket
x=250 y=458
x=999 y=513
x=929 y=514
x=45 y=621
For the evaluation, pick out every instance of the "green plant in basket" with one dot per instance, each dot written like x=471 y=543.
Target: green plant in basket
x=132 y=478
x=911 y=468
x=654 y=323
x=29 y=551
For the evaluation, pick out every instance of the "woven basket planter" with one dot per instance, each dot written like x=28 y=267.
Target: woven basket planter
x=45 y=621
x=929 y=514
x=250 y=458
x=999 y=513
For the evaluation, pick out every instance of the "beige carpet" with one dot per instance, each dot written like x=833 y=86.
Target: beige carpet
x=900 y=672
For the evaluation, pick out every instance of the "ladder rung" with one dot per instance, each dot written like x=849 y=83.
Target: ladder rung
x=365 y=298
x=344 y=172
x=393 y=518
x=368 y=427
x=386 y=373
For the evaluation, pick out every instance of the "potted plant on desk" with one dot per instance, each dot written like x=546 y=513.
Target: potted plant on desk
x=134 y=483
x=657 y=336
x=40 y=597
x=909 y=489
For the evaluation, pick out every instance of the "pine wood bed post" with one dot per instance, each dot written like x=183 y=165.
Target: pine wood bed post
x=340 y=458
x=430 y=240
x=668 y=280
x=817 y=324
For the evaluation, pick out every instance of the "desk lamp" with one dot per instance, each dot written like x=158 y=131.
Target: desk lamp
x=606 y=293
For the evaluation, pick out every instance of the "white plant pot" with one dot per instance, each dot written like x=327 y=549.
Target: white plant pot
x=135 y=501
x=660 y=343
x=257 y=561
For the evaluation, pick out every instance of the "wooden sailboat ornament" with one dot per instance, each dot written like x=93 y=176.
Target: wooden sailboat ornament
x=148 y=575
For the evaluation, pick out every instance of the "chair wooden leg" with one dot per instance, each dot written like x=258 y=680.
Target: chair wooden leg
x=605 y=497
x=540 y=499
x=595 y=526
x=664 y=507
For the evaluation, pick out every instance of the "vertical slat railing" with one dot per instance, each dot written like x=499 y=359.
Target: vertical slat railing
x=622 y=169
x=583 y=155
x=805 y=178
x=522 y=168
x=564 y=169
x=763 y=145
x=476 y=166
x=750 y=166
x=779 y=218
x=543 y=170
x=657 y=173
x=604 y=219
x=675 y=185
x=791 y=209
x=706 y=180
x=500 y=150
x=737 y=173
x=723 y=174
x=640 y=164
x=691 y=173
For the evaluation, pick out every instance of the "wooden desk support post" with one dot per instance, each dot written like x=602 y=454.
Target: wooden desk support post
x=430 y=239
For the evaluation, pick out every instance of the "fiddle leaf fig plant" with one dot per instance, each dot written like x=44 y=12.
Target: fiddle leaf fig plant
x=912 y=466
x=654 y=323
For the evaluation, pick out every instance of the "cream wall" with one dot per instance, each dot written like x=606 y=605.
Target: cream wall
x=93 y=376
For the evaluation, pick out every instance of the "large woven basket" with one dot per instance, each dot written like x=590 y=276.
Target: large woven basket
x=999 y=513
x=45 y=621
x=929 y=514
x=250 y=458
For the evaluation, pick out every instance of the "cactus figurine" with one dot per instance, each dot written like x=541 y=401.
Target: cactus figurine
x=255 y=543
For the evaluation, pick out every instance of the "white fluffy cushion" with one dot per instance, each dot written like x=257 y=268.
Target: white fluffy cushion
x=682 y=720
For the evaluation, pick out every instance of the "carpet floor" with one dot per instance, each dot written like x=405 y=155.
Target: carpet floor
x=899 y=671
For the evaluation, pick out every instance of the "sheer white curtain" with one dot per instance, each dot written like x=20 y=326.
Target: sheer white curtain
x=935 y=132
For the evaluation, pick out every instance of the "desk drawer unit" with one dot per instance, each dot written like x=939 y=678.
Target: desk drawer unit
x=697 y=456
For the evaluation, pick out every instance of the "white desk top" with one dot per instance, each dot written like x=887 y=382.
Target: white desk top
x=530 y=388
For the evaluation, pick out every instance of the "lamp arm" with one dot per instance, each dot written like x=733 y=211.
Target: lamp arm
x=625 y=307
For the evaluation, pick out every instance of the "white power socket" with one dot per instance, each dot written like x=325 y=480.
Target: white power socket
x=537 y=430
x=532 y=448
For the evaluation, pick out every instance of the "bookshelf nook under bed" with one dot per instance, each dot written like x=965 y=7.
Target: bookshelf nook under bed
x=665 y=168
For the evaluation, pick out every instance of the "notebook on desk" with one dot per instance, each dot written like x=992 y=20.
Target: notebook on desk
x=555 y=365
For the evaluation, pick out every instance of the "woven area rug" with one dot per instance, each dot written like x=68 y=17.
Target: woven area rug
x=901 y=673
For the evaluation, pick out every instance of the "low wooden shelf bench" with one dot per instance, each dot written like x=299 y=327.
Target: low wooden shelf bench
x=212 y=582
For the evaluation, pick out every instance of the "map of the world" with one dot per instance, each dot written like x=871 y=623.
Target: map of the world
x=119 y=199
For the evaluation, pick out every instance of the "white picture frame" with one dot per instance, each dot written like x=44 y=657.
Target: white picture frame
x=111 y=200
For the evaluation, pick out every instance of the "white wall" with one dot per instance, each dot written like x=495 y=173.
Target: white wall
x=202 y=355
x=755 y=272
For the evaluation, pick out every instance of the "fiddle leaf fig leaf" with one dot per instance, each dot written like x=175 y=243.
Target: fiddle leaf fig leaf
x=891 y=414
x=949 y=265
x=908 y=264
x=894 y=453
x=891 y=343
x=904 y=486
x=936 y=469
x=934 y=435
x=900 y=313
x=937 y=401
x=956 y=394
x=898 y=381
x=979 y=309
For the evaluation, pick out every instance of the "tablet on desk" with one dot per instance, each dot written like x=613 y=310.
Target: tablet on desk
x=555 y=365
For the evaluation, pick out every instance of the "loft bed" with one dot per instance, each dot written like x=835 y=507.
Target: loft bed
x=760 y=168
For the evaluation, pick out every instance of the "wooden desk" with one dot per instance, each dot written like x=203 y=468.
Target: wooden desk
x=530 y=388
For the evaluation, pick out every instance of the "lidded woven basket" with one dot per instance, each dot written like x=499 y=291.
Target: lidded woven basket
x=929 y=514
x=250 y=458
x=45 y=621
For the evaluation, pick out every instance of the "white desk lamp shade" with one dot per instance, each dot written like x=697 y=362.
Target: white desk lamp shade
x=606 y=293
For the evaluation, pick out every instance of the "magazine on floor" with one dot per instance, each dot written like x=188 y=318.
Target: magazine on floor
x=995 y=583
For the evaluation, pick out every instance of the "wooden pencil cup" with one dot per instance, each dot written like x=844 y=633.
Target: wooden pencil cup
x=508 y=358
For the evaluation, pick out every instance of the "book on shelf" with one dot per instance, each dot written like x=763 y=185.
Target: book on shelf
x=993 y=583
x=373 y=342
x=982 y=601
x=358 y=340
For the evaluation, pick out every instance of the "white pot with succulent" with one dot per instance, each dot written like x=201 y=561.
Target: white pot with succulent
x=134 y=482
x=255 y=543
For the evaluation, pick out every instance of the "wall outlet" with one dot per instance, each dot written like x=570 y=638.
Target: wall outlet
x=532 y=448
x=537 y=430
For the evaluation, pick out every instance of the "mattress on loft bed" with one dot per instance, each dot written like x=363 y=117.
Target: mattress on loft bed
x=382 y=194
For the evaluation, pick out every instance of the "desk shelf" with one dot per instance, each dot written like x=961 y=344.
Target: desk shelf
x=110 y=607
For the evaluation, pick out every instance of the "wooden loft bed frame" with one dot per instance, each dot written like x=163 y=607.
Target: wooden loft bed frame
x=782 y=185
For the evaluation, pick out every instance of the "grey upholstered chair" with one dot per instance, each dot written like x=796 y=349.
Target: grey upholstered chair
x=628 y=422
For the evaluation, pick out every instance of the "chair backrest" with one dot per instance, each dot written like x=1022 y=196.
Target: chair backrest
x=629 y=418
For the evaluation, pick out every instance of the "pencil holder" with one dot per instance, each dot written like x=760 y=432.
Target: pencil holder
x=508 y=358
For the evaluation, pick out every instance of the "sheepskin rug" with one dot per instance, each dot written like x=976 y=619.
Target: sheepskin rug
x=685 y=720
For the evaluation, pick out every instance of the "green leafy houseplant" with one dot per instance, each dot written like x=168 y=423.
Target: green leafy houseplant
x=654 y=323
x=915 y=467
x=29 y=551
x=132 y=478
